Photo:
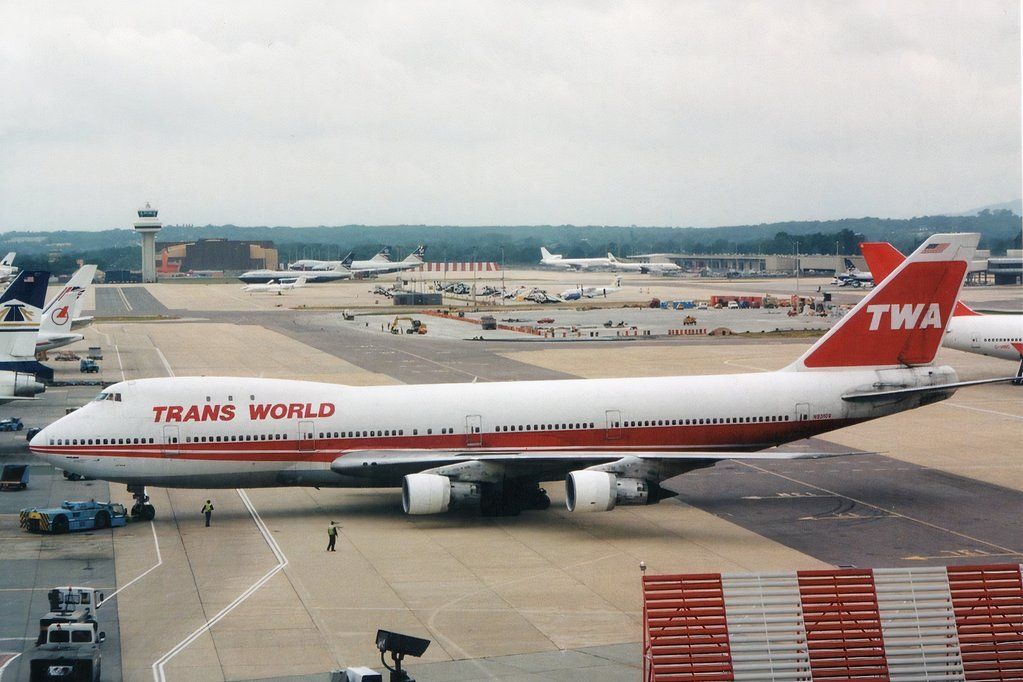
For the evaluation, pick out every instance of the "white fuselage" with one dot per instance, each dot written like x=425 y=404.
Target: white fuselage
x=575 y=263
x=233 y=432
x=998 y=336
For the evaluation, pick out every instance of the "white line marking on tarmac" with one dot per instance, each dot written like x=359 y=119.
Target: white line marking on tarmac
x=980 y=409
x=158 y=666
x=879 y=508
x=163 y=359
x=124 y=298
x=739 y=364
x=117 y=352
x=7 y=663
x=159 y=562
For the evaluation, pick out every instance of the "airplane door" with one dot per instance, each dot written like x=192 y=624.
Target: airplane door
x=473 y=430
x=171 y=438
x=802 y=411
x=613 y=424
x=306 y=436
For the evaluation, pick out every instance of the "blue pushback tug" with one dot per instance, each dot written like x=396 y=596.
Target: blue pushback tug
x=72 y=516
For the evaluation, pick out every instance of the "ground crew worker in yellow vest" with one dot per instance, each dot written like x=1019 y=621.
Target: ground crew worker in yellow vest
x=332 y=536
x=207 y=509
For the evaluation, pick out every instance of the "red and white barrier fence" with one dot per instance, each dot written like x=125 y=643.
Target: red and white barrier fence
x=954 y=623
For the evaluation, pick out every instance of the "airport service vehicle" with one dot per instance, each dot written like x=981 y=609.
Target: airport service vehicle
x=11 y=424
x=276 y=286
x=14 y=477
x=71 y=652
x=73 y=516
x=95 y=353
x=490 y=445
x=70 y=605
x=644 y=268
x=414 y=326
x=55 y=327
x=997 y=336
x=377 y=265
x=556 y=260
x=88 y=366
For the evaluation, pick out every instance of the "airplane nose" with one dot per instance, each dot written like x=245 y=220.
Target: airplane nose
x=38 y=440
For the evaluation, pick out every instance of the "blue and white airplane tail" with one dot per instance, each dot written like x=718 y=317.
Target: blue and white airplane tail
x=21 y=307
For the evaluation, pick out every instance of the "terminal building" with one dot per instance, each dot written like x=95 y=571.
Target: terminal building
x=216 y=255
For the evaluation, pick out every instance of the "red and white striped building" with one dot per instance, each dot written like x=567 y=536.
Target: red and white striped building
x=468 y=266
x=954 y=623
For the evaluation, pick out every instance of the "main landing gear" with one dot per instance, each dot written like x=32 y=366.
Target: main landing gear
x=510 y=500
x=141 y=510
x=1019 y=374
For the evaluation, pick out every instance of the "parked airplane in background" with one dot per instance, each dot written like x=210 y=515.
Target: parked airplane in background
x=997 y=336
x=379 y=264
x=7 y=268
x=56 y=324
x=555 y=260
x=274 y=287
x=311 y=277
x=853 y=276
x=645 y=268
x=590 y=292
x=489 y=445
x=20 y=308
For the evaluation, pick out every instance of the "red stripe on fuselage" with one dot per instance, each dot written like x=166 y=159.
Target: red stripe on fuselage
x=736 y=437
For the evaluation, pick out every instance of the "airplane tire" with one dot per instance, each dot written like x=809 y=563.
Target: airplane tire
x=148 y=512
x=60 y=525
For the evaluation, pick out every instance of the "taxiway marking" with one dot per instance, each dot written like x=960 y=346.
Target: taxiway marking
x=159 y=562
x=124 y=298
x=159 y=674
x=981 y=409
x=7 y=662
x=879 y=508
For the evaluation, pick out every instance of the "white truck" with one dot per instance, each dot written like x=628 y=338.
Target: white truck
x=69 y=653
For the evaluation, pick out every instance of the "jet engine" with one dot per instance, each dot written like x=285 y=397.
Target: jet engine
x=593 y=491
x=19 y=384
x=435 y=494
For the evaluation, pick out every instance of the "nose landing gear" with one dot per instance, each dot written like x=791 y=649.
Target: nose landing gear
x=141 y=510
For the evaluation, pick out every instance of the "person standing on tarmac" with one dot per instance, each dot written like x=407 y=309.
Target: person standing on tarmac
x=332 y=536
x=207 y=509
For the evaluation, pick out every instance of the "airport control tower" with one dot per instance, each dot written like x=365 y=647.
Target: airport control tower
x=148 y=225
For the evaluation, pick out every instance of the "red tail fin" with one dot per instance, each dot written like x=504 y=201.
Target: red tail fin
x=882 y=259
x=902 y=320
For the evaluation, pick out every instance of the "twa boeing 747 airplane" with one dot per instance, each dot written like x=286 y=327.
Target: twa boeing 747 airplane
x=491 y=445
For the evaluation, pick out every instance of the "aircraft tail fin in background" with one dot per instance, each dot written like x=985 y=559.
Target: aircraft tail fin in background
x=902 y=320
x=545 y=254
x=21 y=306
x=383 y=256
x=66 y=305
x=347 y=261
x=8 y=260
x=882 y=259
x=417 y=255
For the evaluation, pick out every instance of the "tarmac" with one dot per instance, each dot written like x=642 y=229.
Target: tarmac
x=542 y=596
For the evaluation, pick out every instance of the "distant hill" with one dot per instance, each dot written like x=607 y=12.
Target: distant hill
x=1000 y=229
x=1016 y=206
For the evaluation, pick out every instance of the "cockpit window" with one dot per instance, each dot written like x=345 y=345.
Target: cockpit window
x=100 y=397
x=116 y=397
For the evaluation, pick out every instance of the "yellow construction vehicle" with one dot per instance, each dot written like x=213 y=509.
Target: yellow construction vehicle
x=415 y=326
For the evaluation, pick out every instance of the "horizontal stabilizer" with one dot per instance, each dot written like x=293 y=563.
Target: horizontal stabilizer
x=918 y=390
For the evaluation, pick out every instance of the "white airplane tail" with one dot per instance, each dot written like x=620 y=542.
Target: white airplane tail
x=66 y=305
x=384 y=256
x=8 y=260
x=417 y=255
x=300 y=282
x=547 y=255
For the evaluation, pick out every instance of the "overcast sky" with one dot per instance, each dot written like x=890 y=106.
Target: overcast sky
x=674 y=113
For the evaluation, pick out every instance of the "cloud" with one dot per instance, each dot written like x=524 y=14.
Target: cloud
x=505 y=113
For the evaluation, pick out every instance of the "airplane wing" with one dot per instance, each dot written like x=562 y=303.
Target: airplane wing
x=391 y=464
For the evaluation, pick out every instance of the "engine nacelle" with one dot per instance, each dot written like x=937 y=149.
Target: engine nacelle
x=19 y=384
x=436 y=494
x=596 y=491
